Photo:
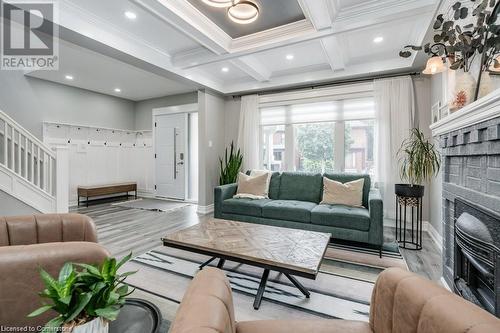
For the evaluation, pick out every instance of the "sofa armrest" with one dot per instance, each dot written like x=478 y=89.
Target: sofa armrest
x=376 y=208
x=207 y=305
x=20 y=280
x=46 y=228
x=222 y=193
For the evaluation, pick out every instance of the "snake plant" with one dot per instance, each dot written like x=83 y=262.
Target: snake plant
x=230 y=166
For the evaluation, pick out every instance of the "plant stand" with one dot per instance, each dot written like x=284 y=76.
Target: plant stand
x=414 y=240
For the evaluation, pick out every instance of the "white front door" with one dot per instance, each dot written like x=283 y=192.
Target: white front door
x=171 y=143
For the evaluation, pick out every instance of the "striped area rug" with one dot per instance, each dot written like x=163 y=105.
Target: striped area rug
x=342 y=289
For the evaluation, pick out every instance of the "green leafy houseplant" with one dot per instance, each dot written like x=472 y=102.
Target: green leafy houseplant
x=419 y=159
x=79 y=296
x=230 y=166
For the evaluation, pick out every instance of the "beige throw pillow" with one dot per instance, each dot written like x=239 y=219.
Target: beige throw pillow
x=349 y=194
x=255 y=173
x=251 y=187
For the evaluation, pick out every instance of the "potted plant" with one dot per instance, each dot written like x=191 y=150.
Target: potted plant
x=419 y=162
x=86 y=300
x=230 y=166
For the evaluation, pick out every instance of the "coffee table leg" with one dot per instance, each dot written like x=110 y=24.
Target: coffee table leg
x=207 y=262
x=299 y=286
x=262 y=288
x=221 y=263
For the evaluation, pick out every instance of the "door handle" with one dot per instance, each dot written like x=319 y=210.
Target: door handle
x=180 y=163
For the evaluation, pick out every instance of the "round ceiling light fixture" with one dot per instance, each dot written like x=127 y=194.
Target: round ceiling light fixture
x=220 y=3
x=243 y=12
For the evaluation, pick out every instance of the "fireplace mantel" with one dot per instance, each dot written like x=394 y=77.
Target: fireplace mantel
x=481 y=110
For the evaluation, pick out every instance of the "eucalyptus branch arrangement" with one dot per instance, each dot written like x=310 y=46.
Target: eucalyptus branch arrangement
x=79 y=296
x=230 y=166
x=468 y=29
x=419 y=159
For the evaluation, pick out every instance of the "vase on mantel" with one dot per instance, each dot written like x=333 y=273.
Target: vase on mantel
x=463 y=93
x=486 y=84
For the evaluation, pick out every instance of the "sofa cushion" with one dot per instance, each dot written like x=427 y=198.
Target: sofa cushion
x=244 y=206
x=274 y=186
x=289 y=210
x=349 y=177
x=341 y=216
x=301 y=186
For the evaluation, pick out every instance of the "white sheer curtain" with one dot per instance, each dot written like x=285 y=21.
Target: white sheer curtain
x=248 y=132
x=395 y=112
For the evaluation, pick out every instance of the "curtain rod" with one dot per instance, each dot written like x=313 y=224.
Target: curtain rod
x=331 y=84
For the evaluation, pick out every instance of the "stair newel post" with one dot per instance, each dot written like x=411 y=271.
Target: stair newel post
x=62 y=179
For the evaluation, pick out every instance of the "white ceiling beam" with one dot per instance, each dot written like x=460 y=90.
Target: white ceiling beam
x=183 y=16
x=321 y=13
x=333 y=52
x=253 y=67
x=348 y=20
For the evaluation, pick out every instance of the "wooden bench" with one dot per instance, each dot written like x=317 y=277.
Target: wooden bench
x=105 y=189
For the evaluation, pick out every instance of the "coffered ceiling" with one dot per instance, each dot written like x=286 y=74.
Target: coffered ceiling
x=294 y=43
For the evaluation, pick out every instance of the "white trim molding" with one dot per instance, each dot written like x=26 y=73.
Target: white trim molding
x=184 y=108
x=204 y=210
x=434 y=235
x=479 y=111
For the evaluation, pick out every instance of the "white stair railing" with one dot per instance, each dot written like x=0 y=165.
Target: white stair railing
x=30 y=170
x=27 y=156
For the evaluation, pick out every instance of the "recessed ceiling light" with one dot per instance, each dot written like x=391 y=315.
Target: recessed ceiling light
x=378 y=39
x=118 y=90
x=244 y=12
x=130 y=15
x=221 y=3
x=290 y=57
x=225 y=69
x=69 y=77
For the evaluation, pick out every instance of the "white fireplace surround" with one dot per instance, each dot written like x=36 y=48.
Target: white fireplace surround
x=479 y=111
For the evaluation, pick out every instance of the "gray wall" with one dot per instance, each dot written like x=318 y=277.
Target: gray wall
x=436 y=186
x=10 y=206
x=232 y=116
x=211 y=124
x=143 y=109
x=30 y=101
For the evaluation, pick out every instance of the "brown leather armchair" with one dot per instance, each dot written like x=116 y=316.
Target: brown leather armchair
x=30 y=242
x=402 y=302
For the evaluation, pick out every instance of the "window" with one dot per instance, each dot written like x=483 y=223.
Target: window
x=359 y=141
x=273 y=147
x=314 y=147
x=324 y=136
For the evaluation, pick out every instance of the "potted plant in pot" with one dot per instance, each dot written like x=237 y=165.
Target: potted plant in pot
x=86 y=300
x=419 y=162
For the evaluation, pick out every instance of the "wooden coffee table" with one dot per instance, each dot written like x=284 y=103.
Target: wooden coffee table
x=289 y=251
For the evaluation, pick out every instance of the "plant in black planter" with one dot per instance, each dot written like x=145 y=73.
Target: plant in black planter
x=419 y=162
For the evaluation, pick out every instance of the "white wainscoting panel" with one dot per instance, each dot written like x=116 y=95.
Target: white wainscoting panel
x=103 y=155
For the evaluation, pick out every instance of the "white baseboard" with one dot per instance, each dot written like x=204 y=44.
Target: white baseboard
x=426 y=226
x=445 y=284
x=205 y=209
x=435 y=236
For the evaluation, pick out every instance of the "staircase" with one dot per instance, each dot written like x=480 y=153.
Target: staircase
x=29 y=169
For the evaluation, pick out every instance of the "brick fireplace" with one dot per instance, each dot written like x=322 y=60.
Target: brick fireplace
x=471 y=181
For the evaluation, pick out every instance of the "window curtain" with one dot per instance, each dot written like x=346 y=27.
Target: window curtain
x=395 y=114
x=248 y=132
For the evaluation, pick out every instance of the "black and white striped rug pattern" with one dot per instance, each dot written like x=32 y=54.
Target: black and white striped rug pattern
x=341 y=290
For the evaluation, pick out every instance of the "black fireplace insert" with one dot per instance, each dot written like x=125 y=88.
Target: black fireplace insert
x=477 y=256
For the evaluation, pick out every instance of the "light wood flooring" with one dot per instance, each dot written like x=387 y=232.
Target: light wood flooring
x=123 y=230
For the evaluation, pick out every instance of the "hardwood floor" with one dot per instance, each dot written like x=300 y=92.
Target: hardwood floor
x=123 y=230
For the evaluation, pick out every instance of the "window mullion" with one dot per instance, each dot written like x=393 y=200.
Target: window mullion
x=338 y=150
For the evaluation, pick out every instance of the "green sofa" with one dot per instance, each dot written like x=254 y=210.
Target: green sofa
x=293 y=202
